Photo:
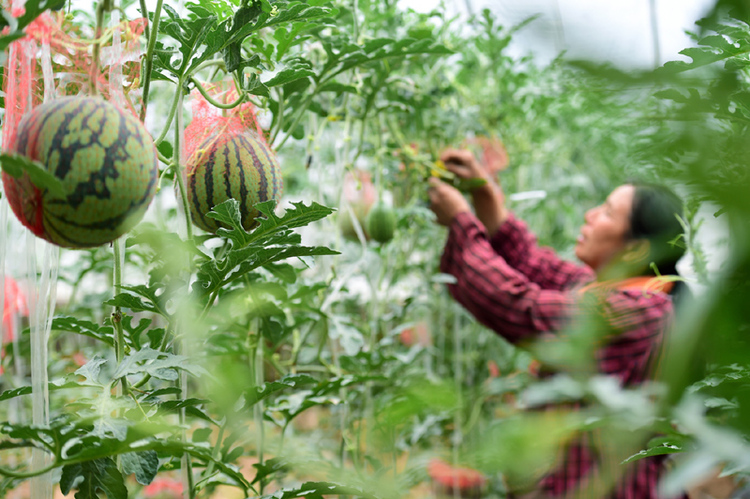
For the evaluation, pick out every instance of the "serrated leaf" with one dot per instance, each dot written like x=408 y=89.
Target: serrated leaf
x=300 y=215
x=16 y=165
x=228 y=213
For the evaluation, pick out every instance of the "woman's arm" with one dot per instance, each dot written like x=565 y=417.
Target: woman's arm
x=498 y=295
x=518 y=246
x=510 y=237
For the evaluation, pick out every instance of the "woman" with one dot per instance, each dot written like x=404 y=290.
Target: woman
x=524 y=292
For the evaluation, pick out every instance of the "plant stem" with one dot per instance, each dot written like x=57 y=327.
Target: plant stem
x=146 y=27
x=178 y=168
x=94 y=73
x=259 y=407
x=149 y=60
x=172 y=110
x=215 y=103
x=117 y=314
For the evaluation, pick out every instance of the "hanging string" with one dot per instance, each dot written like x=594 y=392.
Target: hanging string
x=3 y=238
x=39 y=308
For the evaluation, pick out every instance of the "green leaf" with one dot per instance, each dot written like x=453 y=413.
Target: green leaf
x=298 y=216
x=191 y=407
x=253 y=396
x=660 y=446
x=134 y=303
x=33 y=8
x=283 y=271
x=165 y=148
x=288 y=75
x=93 y=478
x=83 y=327
x=274 y=466
x=160 y=365
x=287 y=39
x=26 y=390
x=319 y=490
x=228 y=213
x=671 y=94
x=144 y=465
x=16 y=165
x=92 y=370
x=338 y=88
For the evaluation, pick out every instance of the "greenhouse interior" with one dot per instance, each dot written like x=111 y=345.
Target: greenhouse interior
x=453 y=249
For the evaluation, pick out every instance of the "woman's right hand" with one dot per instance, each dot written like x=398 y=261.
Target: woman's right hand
x=463 y=164
x=489 y=199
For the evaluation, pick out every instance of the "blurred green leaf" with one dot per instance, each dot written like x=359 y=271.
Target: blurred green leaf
x=16 y=165
x=92 y=478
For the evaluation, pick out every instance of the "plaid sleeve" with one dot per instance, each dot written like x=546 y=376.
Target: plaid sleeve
x=499 y=296
x=518 y=246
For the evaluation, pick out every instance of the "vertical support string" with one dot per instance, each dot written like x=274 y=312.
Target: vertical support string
x=41 y=309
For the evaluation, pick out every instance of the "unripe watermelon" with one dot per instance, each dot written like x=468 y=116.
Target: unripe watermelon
x=237 y=165
x=381 y=223
x=359 y=194
x=105 y=160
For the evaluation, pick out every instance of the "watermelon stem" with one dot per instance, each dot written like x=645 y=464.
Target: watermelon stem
x=117 y=313
x=214 y=102
x=102 y=7
x=148 y=61
x=172 y=110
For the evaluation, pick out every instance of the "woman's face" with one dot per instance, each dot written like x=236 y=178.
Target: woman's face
x=604 y=235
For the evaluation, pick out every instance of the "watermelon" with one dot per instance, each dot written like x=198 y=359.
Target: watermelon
x=381 y=223
x=360 y=194
x=107 y=165
x=231 y=165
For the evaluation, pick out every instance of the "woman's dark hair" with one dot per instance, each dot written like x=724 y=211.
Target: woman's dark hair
x=655 y=216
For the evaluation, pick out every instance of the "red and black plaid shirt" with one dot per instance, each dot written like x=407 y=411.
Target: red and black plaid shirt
x=523 y=291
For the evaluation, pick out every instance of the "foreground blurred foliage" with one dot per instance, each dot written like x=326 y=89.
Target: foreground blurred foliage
x=338 y=367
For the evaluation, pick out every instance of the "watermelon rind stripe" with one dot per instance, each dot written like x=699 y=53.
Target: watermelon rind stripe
x=260 y=167
x=243 y=185
x=274 y=167
x=209 y=185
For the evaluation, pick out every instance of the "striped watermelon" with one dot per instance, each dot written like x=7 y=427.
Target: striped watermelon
x=237 y=165
x=105 y=160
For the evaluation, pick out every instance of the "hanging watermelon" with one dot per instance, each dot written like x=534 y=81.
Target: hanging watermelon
x=232 y=164
x=107 y=165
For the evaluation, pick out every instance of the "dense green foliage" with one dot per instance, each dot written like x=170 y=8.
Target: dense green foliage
x=287 y=361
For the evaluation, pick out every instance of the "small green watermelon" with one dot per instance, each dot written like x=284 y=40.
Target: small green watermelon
x=381 y=223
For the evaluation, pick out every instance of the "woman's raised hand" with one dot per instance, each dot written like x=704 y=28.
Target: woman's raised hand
x=463 y=164
x=488 y=199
